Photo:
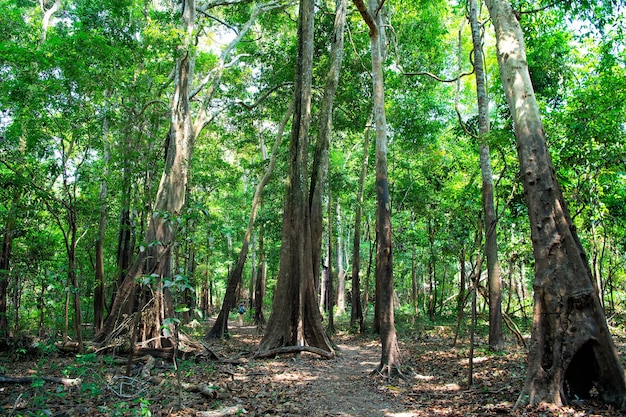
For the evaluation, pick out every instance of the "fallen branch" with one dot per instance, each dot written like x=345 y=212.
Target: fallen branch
x=68 y=382
x=295 y=349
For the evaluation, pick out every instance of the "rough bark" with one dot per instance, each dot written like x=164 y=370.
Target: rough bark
x=295 y=319
x=571 y=350
x=170 y=198
x=496 y=339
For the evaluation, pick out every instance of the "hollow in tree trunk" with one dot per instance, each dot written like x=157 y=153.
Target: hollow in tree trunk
x=571 y=353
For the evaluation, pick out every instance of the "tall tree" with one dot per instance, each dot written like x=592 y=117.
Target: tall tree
x=356 y=310
x=496 y=339
x=390 y=358
x=155 y=260
x=571 y=351
x=295 y=319
x=220 y=327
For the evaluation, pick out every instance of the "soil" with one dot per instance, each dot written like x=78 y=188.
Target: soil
x=434 y=383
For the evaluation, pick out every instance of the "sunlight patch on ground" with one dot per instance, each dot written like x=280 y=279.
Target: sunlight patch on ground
x=478 y=359
x=401 y=414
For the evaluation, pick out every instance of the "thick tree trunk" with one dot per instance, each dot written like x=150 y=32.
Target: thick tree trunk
x=220 y=327
x=571 y=352
x=496 y=339
x=295 y=319
x=356 y=312
x=155 y=260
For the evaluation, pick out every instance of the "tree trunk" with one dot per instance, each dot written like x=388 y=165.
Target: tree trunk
x=295 y=319
x=571 y=352
x=496 y=339
x=99 y=301
x=259 y=290
x=220 y=327
x=390 y=356
x=5 y=263
x=170 y=198
x=341 y=272
x=356 y=312
x=330 y=283
x=322 y=144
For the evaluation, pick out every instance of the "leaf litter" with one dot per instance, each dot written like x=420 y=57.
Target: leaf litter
x=435 y=383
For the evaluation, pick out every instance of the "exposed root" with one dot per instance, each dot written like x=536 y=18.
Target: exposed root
x=294 y=349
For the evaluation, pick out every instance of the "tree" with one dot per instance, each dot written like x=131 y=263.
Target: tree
x=571 y=351
x=295 y=319
x=390 y=355
x=356 y=310
x=496 y=340
x=220 y=327
x=154 y=261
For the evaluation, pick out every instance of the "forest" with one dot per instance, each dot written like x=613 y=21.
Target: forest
x=312 y=207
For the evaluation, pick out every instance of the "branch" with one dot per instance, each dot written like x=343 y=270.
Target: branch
x=234 y=29
x=68 y=382
x=367 y=17
x=437 y=78
x=261 y=98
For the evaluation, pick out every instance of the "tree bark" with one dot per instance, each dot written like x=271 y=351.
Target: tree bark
x=390 y=357
x=295 y=319
x=169 y=201
x=496 y=339
x=99 y=301
x=571 y=350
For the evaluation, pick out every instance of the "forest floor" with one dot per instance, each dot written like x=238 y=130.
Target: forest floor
x=435 y=382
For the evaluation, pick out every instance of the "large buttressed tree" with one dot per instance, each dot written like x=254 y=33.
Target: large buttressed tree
x=295 y=320
x=571 y=354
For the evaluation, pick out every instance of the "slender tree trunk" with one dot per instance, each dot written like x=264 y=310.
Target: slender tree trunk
x=571 y=352
x=390 y=357
x=322 y=146
x=99 y=301
x=259 y=291
x=341 y=272
x=496 y=339
x=356 y=312
x=330 y=289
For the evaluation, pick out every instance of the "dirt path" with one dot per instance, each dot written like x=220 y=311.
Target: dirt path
x=306 y=385
x=343 y=387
